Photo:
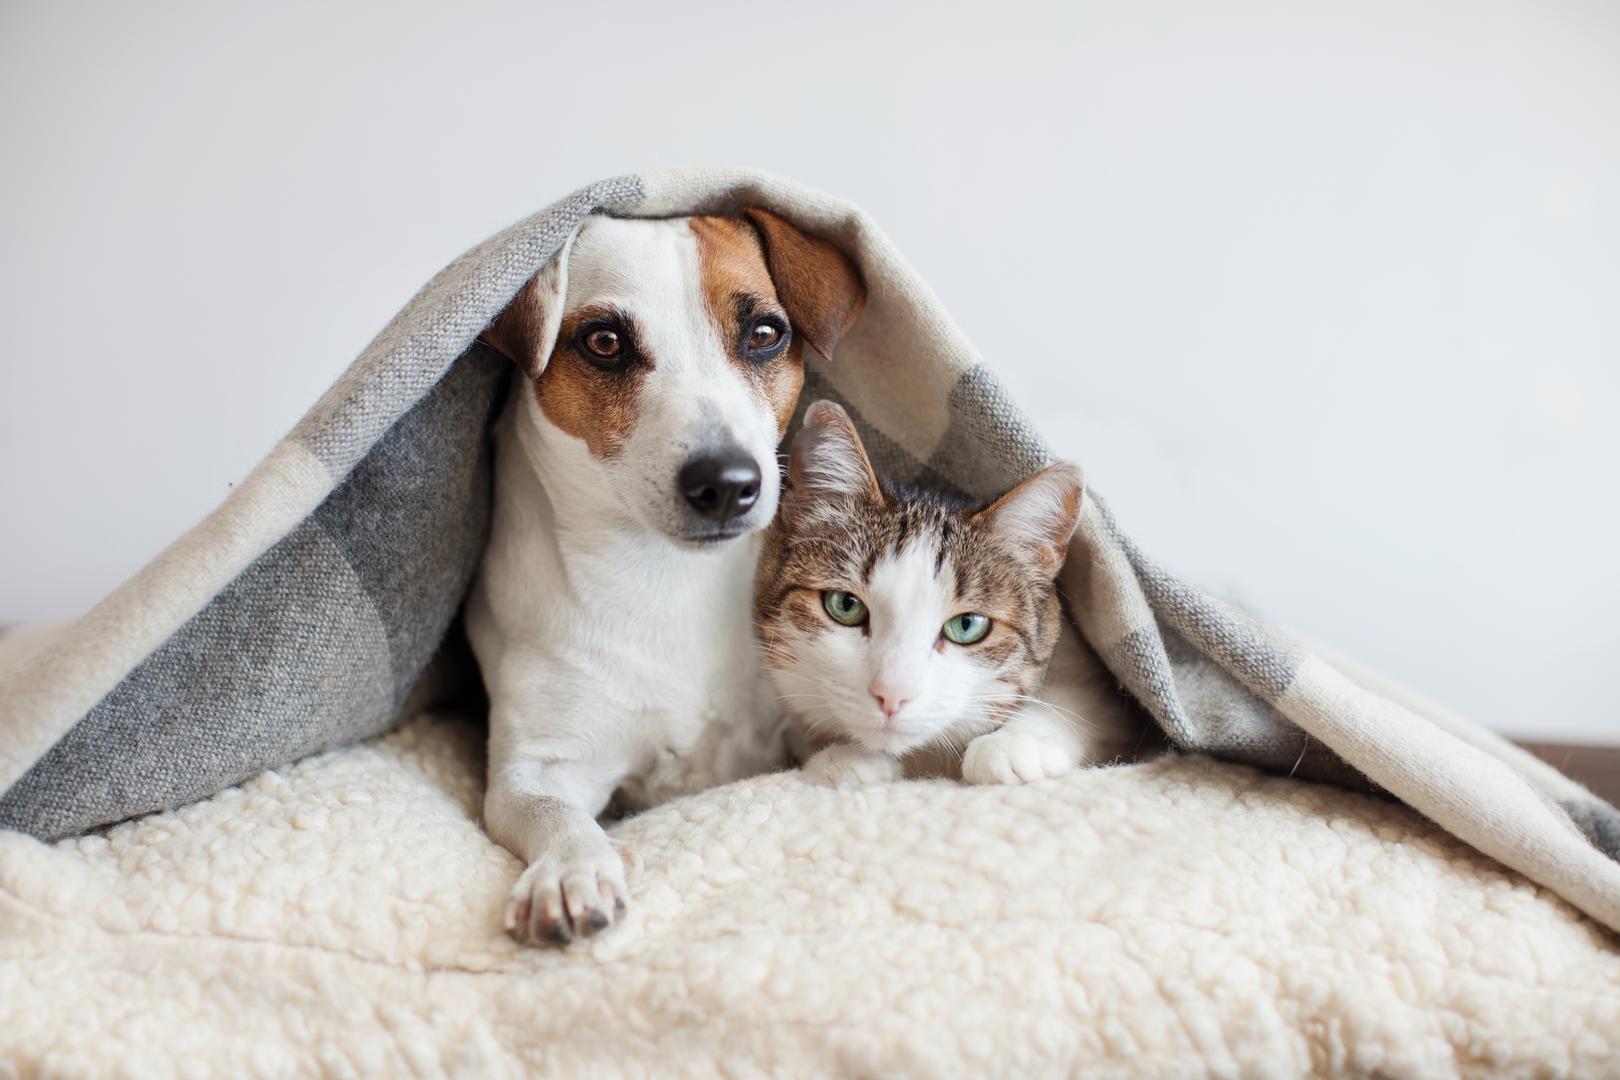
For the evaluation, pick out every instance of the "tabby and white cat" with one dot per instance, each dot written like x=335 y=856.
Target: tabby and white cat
x=906 y=632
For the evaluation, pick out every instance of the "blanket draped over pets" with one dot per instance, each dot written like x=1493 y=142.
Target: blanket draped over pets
x=302 y=613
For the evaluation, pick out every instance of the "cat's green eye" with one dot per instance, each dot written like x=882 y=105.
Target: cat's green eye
x=967 y=628
x=844 y=607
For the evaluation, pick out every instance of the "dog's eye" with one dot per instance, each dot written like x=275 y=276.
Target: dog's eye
x=764 y=337
x=605 y=342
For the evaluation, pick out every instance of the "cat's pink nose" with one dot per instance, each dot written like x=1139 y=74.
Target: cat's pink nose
x=890 y=700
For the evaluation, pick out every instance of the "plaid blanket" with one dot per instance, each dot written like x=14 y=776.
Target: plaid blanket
x=306 y=611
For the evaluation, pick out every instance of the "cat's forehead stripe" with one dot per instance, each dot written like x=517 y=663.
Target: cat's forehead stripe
x=870 y=566
x=902 y=533
x=894 y=534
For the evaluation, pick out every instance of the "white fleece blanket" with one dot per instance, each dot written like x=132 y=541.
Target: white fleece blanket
x=1174 y=918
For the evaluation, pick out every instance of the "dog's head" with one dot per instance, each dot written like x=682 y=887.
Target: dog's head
x=671 y=353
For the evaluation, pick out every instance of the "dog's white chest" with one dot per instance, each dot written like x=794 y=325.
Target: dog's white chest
x=688 y=698
x=620 y=650
x=697 y=742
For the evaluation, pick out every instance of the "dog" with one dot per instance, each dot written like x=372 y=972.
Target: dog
x=635 y=465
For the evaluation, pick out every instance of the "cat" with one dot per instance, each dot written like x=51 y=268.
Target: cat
x=908 y=633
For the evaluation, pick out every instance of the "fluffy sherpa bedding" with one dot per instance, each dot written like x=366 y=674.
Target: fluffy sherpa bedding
x=1176 y=918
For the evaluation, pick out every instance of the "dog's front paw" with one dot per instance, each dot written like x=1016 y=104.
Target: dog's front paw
x=843 y=766
x=1014 y=757
x=571 y=894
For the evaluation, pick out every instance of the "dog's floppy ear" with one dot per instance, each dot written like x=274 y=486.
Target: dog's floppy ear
x=828 y=460
x=817 y=283
x=526 y=330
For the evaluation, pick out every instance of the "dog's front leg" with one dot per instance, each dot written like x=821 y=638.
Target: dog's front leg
x=574 y=886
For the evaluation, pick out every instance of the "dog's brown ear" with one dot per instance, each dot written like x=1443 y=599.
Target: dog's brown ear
x=818 y=284
x=526 y=330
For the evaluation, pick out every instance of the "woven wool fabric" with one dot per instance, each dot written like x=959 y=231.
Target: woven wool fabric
x=301 y=613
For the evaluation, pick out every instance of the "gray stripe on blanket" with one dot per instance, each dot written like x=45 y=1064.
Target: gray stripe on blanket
x=315 y=644
x=990 y=444
x=1206 y=709
x=413 y=516
x=288 y=657
x=1599 y=822
x=891 y=460
x=1263 y=658
x=1140 y=663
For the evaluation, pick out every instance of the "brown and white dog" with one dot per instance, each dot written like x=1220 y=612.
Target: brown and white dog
x=634 y=469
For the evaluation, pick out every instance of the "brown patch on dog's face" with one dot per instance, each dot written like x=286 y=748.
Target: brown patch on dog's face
x=741 y=301
x=588 y=395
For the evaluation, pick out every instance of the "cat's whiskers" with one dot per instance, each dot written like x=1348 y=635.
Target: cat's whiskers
x=823 y=713
x=952 y=743
x=993 y=702
x=775 y=652
x=1010 y=700
x=815 y=724
x=1013 y=697
x=804 y=695
x=807 y=695
x=1058 y=710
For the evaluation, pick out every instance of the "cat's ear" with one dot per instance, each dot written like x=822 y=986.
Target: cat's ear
x=828 y=460
x=1040 y=514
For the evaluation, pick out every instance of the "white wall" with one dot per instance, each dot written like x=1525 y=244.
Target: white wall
x=1325 y=296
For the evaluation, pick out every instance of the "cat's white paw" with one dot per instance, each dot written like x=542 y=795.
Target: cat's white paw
x=572 y=894
x=1014 y=757
x=843 y=766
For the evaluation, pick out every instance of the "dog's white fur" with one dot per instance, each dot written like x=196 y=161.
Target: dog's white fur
x=617 y=655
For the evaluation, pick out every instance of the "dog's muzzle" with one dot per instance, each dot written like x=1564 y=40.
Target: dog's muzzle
x=721 y=485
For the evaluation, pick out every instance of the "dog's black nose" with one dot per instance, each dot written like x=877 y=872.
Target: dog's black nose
x=721 y=485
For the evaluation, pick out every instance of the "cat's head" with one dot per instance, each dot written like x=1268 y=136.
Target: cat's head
x=899 y=619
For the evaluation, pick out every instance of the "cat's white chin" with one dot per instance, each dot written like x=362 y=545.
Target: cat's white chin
x=896 y=742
